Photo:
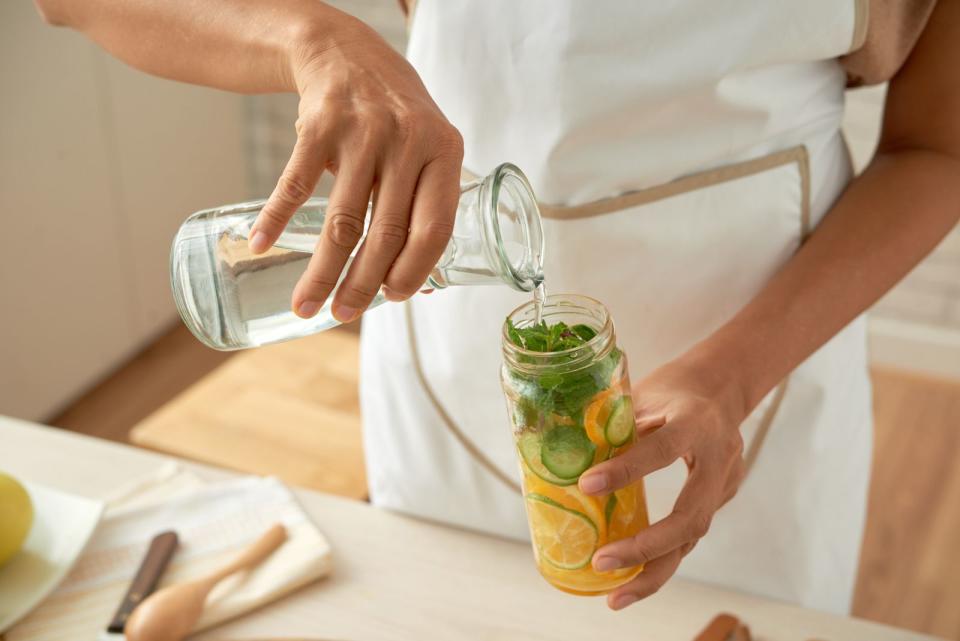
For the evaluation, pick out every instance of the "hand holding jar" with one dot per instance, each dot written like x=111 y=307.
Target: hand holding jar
x=681 y=412
x=586 y=439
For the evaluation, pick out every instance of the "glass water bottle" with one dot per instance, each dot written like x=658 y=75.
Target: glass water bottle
x=233 y=299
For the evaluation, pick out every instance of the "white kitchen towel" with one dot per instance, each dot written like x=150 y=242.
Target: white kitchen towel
x=214 y=521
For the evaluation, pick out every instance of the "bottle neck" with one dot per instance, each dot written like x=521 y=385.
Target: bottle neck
x=512 y=228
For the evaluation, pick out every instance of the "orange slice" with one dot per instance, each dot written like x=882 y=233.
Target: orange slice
x=596 y=415
x=563 y=537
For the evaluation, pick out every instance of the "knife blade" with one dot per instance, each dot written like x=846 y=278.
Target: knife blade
x=144 y=582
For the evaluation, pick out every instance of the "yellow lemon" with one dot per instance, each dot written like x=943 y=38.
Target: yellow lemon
x=16 y=516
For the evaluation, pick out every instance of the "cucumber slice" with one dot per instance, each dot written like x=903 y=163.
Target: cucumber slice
x=529 y=446
x=620 y=424
x=566 y=451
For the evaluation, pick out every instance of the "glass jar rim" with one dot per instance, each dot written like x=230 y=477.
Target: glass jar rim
x=572 y=359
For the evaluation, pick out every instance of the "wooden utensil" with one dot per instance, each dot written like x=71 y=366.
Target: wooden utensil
x=170 y=614
x=724 y=627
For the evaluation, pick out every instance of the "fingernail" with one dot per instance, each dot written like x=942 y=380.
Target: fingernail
x=345 y=314
x=606 y=563
x=259 y=243
x=308 y=308
x=593 y=483
x=389 y=294
x=623 y=601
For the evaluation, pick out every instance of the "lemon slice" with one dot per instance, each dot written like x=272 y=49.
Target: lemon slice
x=573 y=499
x=629 y=515
x=626 y=504
x=563 y=537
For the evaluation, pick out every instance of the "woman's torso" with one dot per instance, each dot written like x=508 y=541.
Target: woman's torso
x=720 y=121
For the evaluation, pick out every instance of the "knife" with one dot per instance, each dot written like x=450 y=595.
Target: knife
x=144 y=582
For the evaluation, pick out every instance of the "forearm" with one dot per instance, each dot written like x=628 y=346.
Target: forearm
x=888 y=219
x=247 y=46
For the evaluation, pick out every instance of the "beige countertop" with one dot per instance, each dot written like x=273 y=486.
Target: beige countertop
x=400 y=578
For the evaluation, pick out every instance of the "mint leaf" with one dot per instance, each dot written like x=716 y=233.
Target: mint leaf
x=563 y=393
x=585 y=332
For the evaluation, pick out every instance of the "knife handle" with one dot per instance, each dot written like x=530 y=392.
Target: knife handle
x=724 y=627
x=145 y=580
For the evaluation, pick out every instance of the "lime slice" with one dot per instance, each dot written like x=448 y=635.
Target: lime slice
x=572 y=498
x=564 y=538
x=529 y=446
x=566 y=451
x=621 y=424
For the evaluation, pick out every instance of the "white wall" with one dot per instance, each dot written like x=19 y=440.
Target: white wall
x=98 y=166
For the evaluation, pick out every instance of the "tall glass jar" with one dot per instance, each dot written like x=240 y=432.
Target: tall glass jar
x=232 y=299
x=570 y=410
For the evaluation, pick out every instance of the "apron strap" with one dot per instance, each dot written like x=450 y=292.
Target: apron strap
x=686 y=184
x=445 y=418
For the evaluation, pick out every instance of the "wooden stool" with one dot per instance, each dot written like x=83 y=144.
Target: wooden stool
x=289 y=410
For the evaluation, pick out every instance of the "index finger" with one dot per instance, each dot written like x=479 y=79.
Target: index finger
x=688 y=522
x=651 y=451
x=295 y=186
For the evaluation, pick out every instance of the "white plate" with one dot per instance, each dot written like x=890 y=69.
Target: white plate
x=62 y=525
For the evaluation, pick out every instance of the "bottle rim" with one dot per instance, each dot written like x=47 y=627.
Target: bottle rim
x=590 y=311
x=508 y=179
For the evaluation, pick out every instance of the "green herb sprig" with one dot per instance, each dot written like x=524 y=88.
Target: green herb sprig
x=562 y=393
x=549 y=338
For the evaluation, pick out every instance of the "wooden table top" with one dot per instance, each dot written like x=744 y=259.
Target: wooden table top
x=397 y=577
x=290 y=409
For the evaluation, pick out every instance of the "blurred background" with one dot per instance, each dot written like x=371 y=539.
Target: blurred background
x=99 y=164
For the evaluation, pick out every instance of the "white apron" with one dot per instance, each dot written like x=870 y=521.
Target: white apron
x=681 y=150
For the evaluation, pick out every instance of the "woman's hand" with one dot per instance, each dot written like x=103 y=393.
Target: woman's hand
x=364 y=115
x=683 y=410
x=367 y=118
